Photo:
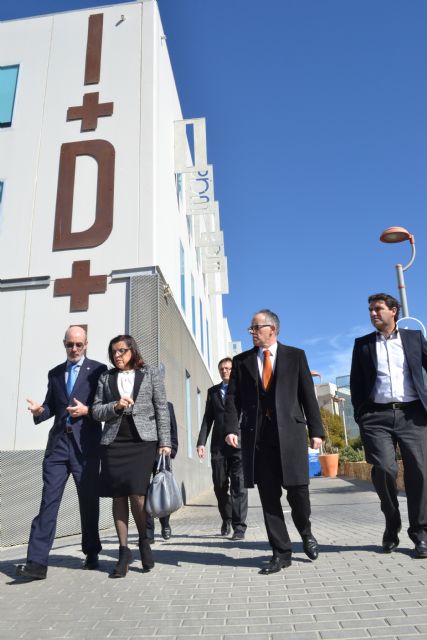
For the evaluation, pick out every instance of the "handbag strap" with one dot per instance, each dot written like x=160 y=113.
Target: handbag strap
x=164 y=463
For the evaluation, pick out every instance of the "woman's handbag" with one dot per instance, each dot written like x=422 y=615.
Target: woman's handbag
x=163 y=495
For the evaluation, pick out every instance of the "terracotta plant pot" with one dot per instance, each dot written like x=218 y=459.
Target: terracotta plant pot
x=329 y=464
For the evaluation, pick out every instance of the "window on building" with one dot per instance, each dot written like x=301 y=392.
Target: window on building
x=1 y=191
x=193 y=306
x=202 y=342
x=8 y=82
x=207 y=344
x=188 y=414
x=199 y=408
x=182 y=272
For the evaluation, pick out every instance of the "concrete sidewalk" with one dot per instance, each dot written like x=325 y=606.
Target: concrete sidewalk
x=204 y=585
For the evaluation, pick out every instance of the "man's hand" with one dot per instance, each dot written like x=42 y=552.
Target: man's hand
x=78 y=409
x=315 y=443
x=35 y=408
x=232 y=440
x=201 y=452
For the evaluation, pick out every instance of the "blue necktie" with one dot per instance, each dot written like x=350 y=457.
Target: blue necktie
x=72 y=375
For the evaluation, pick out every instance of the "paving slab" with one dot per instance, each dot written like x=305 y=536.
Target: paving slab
x=204 y=585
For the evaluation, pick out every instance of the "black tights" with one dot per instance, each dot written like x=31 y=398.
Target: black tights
x=121 y=516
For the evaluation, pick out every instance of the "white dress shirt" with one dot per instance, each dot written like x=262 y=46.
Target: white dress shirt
x=125 y=382
x=394 y=381
x=273 y=350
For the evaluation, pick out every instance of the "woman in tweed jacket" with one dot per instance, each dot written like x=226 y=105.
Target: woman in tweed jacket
x=131 y=401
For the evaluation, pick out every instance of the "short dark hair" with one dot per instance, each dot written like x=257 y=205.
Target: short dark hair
x=227 y=359
x=271 y=318
x=389 y=301
x=136 y=361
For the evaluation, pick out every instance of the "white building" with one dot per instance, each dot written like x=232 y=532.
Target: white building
x=107 y=219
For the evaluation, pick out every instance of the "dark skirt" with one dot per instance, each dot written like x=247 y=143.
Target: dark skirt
x=127 y=463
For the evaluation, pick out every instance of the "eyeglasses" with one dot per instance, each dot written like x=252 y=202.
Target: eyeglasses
x=70 y=345
x=119 y=352
x=257 y=327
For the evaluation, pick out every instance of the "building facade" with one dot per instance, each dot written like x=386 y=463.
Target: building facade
x=107 y=219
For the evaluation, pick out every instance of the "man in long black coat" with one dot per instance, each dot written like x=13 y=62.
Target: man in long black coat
x=271 y=394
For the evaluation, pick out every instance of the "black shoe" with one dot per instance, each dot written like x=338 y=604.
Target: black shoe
x=390 y=540
x=275 y=565
x=146 y=555
x=310 y=546
x=166 y=532
x=226 y=528
x=32 y=570
x=238 y=535
x=122 y=566
x=420 y=550
x=91 y=561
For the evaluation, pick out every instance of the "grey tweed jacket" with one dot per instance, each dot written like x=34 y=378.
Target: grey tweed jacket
x=150 y=411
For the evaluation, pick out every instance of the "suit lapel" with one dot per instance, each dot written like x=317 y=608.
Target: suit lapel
x=372 y=345
x=61 y=380
x=139 y=376
x=114 y=389
x=251 y=364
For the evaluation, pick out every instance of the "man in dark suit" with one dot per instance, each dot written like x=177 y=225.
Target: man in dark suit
x=390 y=405
x=271 y=394
x=165 y=520
x=226 y=461
x=73 y=447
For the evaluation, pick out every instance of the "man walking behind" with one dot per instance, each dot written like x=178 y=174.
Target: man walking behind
x=390 y=406
x=271 y=394
x=226 y=461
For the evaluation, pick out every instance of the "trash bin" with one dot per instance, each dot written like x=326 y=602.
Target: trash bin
x=313 y=463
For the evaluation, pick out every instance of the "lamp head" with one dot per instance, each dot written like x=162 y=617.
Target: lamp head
x=396 y=234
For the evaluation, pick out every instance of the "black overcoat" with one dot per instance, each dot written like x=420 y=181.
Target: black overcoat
x=296 y=410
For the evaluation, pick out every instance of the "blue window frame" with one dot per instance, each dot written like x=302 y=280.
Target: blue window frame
x=8 y=82
x=182 y=274
x=202 y=342
x=193 y=306
x=207 y=344
x=188 y=414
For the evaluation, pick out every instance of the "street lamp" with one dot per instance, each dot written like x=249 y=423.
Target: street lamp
x=400 y=234
x=340 y=402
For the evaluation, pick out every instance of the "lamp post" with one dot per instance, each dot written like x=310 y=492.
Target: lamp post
x=340 y=402
x=400 y=234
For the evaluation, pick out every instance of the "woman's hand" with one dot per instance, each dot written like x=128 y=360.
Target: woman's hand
x=124 y=403
x=165 y=450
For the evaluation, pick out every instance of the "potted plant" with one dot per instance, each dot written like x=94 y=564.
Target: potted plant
x=329 y=456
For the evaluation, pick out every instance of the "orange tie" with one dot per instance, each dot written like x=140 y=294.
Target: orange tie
x=267 y=370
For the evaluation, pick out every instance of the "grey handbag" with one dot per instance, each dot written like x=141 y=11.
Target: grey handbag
x=163 y=495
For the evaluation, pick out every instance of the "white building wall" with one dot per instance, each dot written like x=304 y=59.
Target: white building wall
x=136 y=76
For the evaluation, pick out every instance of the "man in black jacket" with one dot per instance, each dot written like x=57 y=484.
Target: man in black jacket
x=390 y=406
x=226 y=461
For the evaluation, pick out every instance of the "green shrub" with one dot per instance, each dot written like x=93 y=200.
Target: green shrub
x=348 y=454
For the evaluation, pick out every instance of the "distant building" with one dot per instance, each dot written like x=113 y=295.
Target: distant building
x=327 y=397
x=107 y=219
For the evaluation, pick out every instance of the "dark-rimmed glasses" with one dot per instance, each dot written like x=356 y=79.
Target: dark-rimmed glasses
x=257 y=327
x=70 y=345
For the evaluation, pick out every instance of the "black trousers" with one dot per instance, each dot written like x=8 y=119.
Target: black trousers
x=227 y=477
x=381 y=431
x=268 y=477
x=164 y=522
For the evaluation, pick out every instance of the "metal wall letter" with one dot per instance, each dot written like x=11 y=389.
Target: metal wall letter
x=103 y=152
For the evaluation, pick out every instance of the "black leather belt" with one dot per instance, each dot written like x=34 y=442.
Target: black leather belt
x=68 y=430
x=381 y=406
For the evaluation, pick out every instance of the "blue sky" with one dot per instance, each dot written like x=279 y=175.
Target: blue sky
x=317 y=130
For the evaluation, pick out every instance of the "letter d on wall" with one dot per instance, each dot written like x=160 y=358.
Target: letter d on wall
x=103 y=152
